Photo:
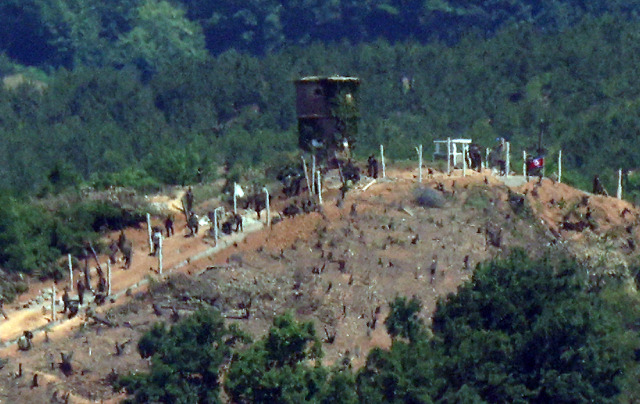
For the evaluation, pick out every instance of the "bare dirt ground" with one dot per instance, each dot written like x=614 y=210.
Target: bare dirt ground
x=339 y=268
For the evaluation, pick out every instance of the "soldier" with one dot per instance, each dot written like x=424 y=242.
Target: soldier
x=24 y=342
x=188 y=197
x=2 y=298
x=192 y=223
x=344 y=189
x=113 y=251
x=155 y=238
x=372 y=167
x=80 y=287
x=475 y=156
x=65 y=299
x=126 y=246
x=598 y=188
x=87 y=274
x=237 y=220
x=168 y=225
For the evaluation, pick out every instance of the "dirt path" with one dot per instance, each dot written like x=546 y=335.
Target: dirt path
x=32 y=311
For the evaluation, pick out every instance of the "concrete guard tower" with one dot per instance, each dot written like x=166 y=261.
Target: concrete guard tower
x=327 y=109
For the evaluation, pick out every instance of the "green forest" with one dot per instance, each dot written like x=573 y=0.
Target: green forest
x=144 y=94
x=521 y=331
x=147 y=93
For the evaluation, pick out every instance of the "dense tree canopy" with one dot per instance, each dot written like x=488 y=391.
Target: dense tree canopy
x=521 y=331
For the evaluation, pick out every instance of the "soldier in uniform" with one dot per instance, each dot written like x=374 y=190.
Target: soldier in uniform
x=372 y=167
x=127 y=249
x=155 y=238
x=168 y=225
x=188 y=197
x=192 y=223
x=113 y=251
x=65 y=299
x=598 y=188
x=80 y=287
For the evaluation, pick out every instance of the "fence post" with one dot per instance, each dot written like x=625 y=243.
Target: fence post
x=560 y=166
x=149 y=232
x=619 y=193
x=384 y=171
x=419 y=151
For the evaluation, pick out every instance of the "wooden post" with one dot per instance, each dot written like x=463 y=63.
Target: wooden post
x=560 y=166
x=266 y=191
x=70 y=272
x=524 y=164
x=149 y=231
x=507 y=163
x=108 y=278
x=306 y=176
x=235 y=198
x=384 y=168
x=53 y=302
x=448 y=156
x=160 y=255
x=619 y=193
x=419 y=151
x=313 y=174
x=319 y=188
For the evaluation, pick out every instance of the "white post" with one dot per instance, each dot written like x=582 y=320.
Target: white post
x=313 y=171
x=53 y=302
x=507 y=163
x=384 y=168
x=486 y=158
x=108 y=278
x=448 y=156
x=70 y=272
x=235 y=198
x=464 y=160
x=319 y=188
x=419 y=151
x=560 y=166
x=619 y=193
x=160 y=255
x=306 y=176
x=266 y=191
x=524 y=163
x=149 y=231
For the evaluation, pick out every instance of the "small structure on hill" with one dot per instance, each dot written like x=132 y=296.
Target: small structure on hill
x=327 y=109
x=451 y=149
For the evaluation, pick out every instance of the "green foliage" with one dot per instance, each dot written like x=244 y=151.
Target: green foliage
x=277 y=368
x=403 y=320
x=185 y=361
x=520 y=331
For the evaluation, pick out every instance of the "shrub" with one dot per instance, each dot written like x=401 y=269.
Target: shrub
x=428 y=197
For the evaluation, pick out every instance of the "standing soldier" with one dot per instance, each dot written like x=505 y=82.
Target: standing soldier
x=80 y=287
x=127 y=249
x=372 y=167
x=113 y=251
x=598 y=188
x=188 y=197
x=65 y=299
x=155 y=238
x=168 y=225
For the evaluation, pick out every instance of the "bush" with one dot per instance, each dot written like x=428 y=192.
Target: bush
x=428 y=197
